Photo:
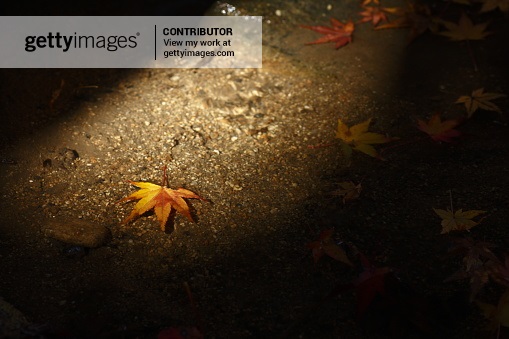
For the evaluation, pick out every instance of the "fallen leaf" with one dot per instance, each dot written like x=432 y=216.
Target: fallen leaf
x=340 y=33
x=367 y=2
x=480 y=100
x=500 y=272
x=479 y=263
x=440 y=130
x=499 y=315
x=374 y=14
x=326 y=245
x=464 y=29
x=348 y=191
x=416 y=17
x=490 y=5
x=370 y=284
x=459 y=220
x=359 y=137
x=160 y=198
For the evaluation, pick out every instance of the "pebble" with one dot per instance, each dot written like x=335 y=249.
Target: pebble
x=77 y=232
x=12 y=321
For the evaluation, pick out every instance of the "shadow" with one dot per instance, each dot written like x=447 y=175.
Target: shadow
x=31 y=98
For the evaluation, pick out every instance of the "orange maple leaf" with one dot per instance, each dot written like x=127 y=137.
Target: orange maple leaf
x=465 y=29
x=375 y=14
x=440 y=130
x=160 y=198
x=480 y=99
x=416 y=17
x=340 y=33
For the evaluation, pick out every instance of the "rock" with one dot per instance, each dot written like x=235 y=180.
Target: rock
x=77 y=232
x=12 y=321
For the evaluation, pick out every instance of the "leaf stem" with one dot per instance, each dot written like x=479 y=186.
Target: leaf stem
x=165 y=177
x=320 y=145
x=450 y=200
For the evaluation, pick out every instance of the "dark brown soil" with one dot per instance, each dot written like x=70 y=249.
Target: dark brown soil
x=240 y=139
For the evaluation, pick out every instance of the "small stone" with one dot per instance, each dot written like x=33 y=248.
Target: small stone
x=12 y=321
x=77 y=232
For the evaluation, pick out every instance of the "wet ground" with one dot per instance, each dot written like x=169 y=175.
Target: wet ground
x=240 y=138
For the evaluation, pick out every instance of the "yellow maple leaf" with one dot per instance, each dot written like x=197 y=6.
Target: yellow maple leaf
x=479 y=99
x=459 y=220
x=161 y=199
x=465 y=29
x=359 y=137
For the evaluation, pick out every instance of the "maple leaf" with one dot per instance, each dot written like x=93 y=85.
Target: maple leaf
x=490 y=5
x=479 y=263
x=416 y=17
x=479 y=99
x=440 y=130
x=326 y=245
x=348 y=190
x=499 y=315
x=464 y=29
x=160 y=198
x=374 y=14
x=340 y=33
x=459 y=220
x=370 y=284
x=359 y=137
x=500 y=272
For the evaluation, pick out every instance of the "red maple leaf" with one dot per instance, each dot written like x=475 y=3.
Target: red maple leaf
x=340 y=33
x=373 y=14
x=369 y=285
x=326 y=245
x=440 y=130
